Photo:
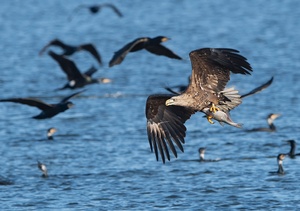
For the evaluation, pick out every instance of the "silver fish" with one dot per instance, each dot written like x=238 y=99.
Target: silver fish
x=221 y=117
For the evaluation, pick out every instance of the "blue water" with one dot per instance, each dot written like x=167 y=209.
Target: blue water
x=100 y=157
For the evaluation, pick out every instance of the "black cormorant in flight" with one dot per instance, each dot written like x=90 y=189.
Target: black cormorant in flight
x=68 y=50
x=75 y=77
x=48 y=110
x=153 y=45
x=97 y=8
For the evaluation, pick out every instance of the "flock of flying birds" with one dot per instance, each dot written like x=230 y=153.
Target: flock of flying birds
x=166 y=113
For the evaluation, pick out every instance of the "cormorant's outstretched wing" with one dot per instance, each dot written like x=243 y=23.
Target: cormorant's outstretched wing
x=165 y=125
x=258 y=89
x=55 y=42
x=120 y=54
x=211 y=67
x=70 y=96
x=67 y=66
x=90 y=71
x=30 y=102
x=162 y=50
x=172 y=91
x=114 y=8
x=90 y=48
x=79 y=7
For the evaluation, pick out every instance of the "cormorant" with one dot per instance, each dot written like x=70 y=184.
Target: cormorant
x=97 y=8
x=43 y=168
x=201 y=151
x=68 y=50
x=166 y=114
x=75 y=77
x=292 y=153
x=150 y=44
x=50 y=133
x=48 y=110
x=280 y=158
x=270 y=120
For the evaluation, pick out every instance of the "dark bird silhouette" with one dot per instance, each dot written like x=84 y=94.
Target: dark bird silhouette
x=293 y=145
x=201 y=151
x=166 y=114
x=69 y=50
x=48 y=110
x=270 y=120
x=180 y=88
x=75 y=77
x=50 y=133
x=258 y=89
x=150 y=44
x=5 y=181
x=97 y=8
x=43 y=168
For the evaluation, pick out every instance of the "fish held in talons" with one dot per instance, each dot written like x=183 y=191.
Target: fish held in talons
x=221 y=117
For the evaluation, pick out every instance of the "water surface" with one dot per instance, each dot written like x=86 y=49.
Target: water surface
x=100 y=157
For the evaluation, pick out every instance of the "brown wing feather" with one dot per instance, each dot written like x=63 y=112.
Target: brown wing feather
x=211 y=67
x=165 y=125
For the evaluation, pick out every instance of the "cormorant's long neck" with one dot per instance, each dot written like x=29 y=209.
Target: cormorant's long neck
x=280 y=168
x=292 y=151
x=202 y=157
x=271 y=125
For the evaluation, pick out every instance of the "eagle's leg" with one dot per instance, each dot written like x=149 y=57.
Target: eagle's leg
x=213 y=108
x=208 y=117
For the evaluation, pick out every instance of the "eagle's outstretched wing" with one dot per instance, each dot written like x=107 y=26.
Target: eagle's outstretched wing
x=165 y=125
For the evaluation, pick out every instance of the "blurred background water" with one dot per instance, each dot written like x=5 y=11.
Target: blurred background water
x=100 y=157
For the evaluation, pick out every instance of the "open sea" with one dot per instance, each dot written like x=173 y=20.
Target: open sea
x=100 y=157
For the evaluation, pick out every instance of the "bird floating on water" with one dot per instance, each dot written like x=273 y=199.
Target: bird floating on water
x=97 y=8
x=201 y=151
x=167 y=113
x=75 y=77
x=292 y=153
x=50 y=133
x=48 y=110
x=69 y=50
x=43 y=168
x=150 y=44
x=280 y=159
x=270 y=119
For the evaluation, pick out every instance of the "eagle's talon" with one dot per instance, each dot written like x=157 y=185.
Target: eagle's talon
x=209 y=119
x=213 y=108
